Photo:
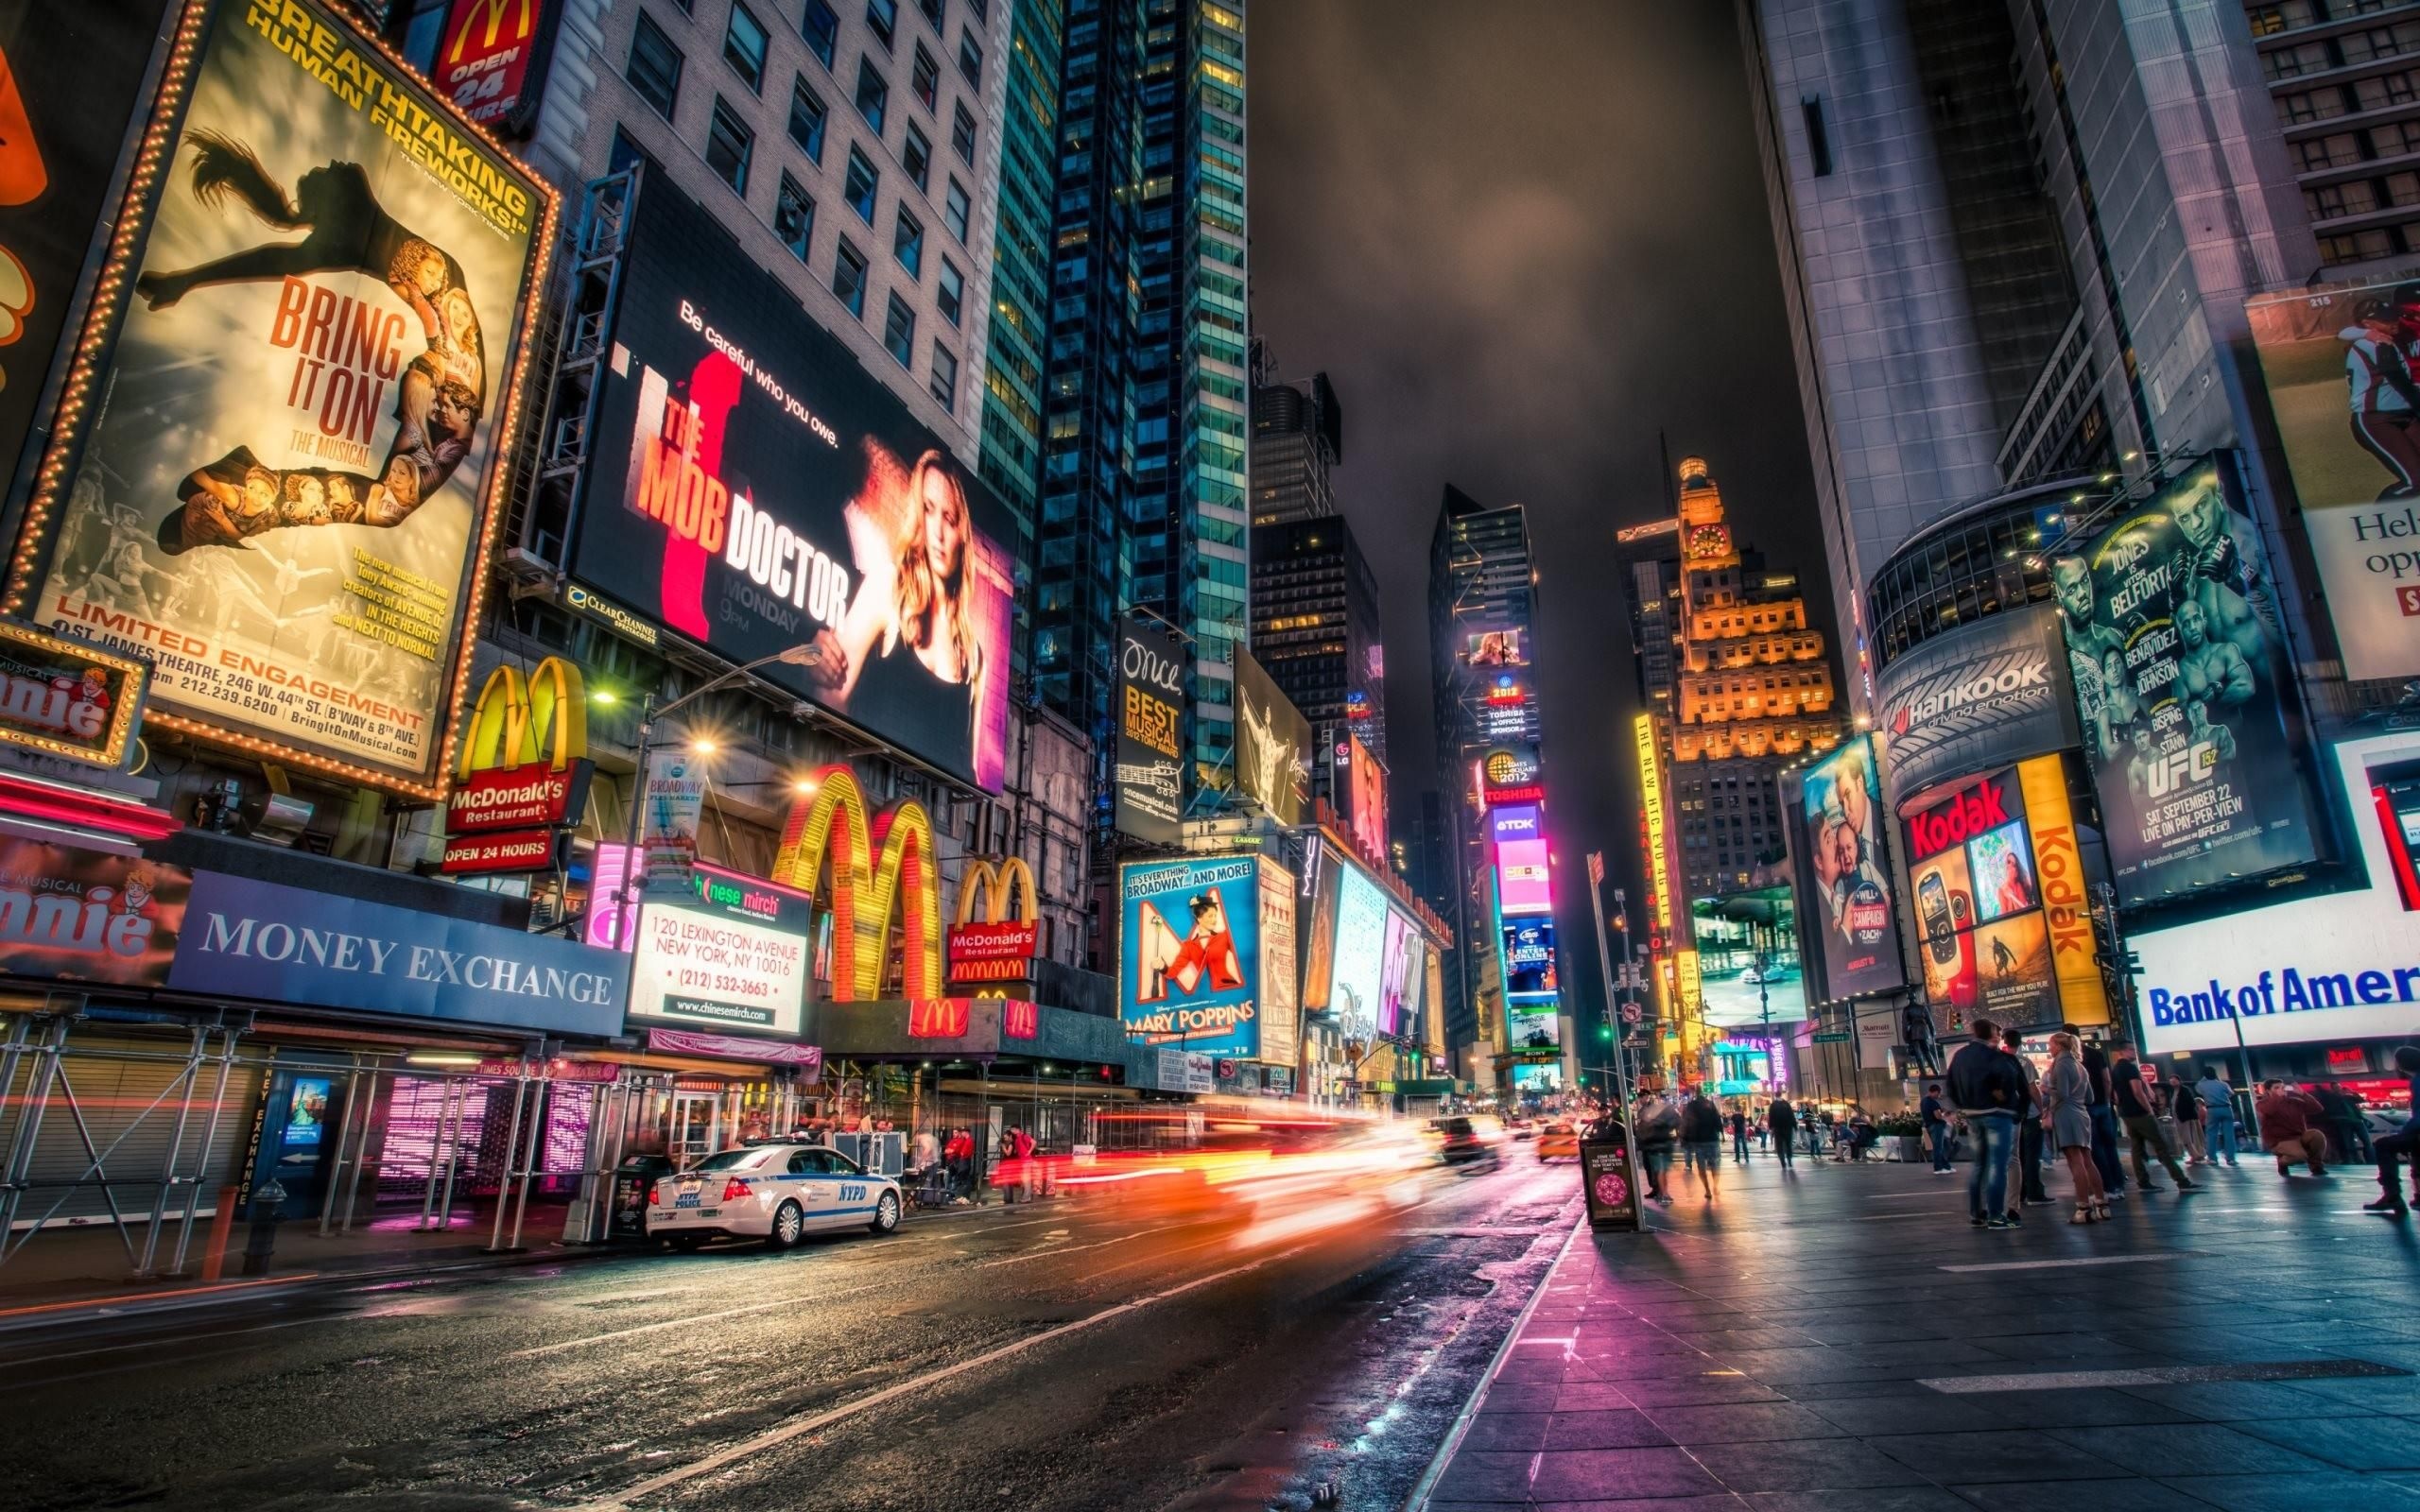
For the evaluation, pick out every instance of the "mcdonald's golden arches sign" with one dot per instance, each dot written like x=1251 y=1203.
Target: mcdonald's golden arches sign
x=521 y=770
x=996 y=947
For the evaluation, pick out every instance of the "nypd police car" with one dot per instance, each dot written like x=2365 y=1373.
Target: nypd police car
x=778 y=1192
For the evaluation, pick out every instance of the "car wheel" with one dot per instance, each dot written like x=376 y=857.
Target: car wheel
x=885 y=1213
x=683 y=1244
x=789 y=1226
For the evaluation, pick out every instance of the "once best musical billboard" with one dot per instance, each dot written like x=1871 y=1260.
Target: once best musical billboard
x=753 y=489
x=2182 y=682
x=282 y=499
x=2340 y=370
x=1147 y=785
x=1852 y=915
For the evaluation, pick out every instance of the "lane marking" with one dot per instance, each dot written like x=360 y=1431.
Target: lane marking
x=2144 y=1259
x=2167 y=1375
x=1052 y=1254
x=827 y=1418
x=146 y=1298
x=814 y=1300
x=20 y=1363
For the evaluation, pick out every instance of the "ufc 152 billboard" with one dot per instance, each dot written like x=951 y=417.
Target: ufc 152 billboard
x=290 y=459
x=751 y=487
x=2182 y=684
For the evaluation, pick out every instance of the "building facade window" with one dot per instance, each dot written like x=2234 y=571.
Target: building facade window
x=794 y=218
x=808 y=116
x=969 y=56
x=925 y=77
x=952 y=298
x=729 y=143
x=862 y=183
x=955 y=209
x=944 y=379
x=849 y=277
x=654 y=71
x=822 y=30
x=962 y=133
x=916 y=156
x=743 y=47
x=883 y=16
x=873 y=94
x=899 y=331
x=908 y=243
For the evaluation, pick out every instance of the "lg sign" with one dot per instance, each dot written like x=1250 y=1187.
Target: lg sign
x=1959 y=820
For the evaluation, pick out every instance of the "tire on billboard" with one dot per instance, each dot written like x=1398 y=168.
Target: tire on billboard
x=751 y=488
x=2182 y=682
x=282 y=496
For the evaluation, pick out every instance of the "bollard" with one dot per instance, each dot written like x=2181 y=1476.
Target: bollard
x=269 y=1205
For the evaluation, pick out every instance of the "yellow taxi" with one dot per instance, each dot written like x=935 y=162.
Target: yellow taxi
x=1558 y=1140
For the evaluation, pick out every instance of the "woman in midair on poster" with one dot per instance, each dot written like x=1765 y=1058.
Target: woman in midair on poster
x=444 y=392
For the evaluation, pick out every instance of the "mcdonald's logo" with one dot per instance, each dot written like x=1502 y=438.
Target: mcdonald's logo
x=995 y=948
x=523 y=763
x=472 y=15
x=880 y=870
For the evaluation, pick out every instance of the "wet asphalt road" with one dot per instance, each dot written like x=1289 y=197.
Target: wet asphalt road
x=1063 y=1355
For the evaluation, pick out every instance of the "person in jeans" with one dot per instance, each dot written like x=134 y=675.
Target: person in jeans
x=2029 y=1132
x=2067 y=1099
x=2138 y=1110
x=2405 y=1142
x=1937 y=1136
x=1739 y=1135
x=2218 y=1114
x=1783 y=1120
x=1702 y=1139
x=2291 y=1125
x=1658 y=1123
x=1986 y=1088
x=2104 y=1117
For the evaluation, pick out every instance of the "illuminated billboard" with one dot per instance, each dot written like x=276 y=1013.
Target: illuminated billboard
x=2340 y=968
x=1272 y=745
x=1846 y=869
x=1651 y=820
x=1190 y=953
x=1367 y=786
x=1529 y=959
x=1495 y=648
x=1360 y=976
x=2002 y=922
x=2183 y=685
x=2333 y=359
x=1524 y=881
x=1748 y=962
x=1148 y=786
x=285 y=487
x=733 y=954
x=750 y=487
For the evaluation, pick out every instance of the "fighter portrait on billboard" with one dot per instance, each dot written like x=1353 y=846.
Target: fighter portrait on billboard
x=438 y=403
x=2178 y=660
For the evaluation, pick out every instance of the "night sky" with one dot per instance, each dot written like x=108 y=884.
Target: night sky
x=1523 y=238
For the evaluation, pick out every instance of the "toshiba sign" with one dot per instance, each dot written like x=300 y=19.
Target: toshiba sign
x=1977 y=699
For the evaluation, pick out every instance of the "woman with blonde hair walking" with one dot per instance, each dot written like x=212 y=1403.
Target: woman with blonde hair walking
x=2066 y=1115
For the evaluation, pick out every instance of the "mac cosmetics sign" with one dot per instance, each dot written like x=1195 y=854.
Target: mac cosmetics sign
x=272 y=943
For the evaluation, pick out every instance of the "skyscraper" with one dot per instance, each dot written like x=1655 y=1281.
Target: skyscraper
x=1020 y=305
x=1752 y=689
x=1146 y=378
x=1482 y=605
x=1297 y=442
x=1315 y=629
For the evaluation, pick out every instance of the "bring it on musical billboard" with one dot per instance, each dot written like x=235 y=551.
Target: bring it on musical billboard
x=285 y=468
x=751 y=487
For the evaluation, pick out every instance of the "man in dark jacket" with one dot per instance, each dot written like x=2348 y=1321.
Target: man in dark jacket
x=1986 y=1088
x=1937 y=1136
x=2030 y=1192
x=1783 y=1120
x=2392 y=1147
x=1702 y=1139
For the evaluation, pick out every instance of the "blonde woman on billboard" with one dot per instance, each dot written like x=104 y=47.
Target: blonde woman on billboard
x=442 y=392
x=912 y=538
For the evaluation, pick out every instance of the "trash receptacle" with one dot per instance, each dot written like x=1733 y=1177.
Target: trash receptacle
x=1608 y=1177
x=630 y=1180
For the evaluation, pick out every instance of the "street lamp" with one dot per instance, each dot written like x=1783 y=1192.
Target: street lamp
x=805 y=655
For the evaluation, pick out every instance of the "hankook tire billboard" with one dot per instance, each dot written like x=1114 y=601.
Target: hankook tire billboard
x=1984 y=695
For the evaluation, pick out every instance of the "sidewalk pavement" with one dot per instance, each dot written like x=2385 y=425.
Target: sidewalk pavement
x=1840 y=1338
